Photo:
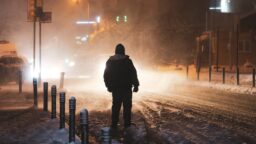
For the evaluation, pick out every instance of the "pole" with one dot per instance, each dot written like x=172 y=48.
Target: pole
x=62 y=109
x=54 y=93
x=20 y=81
x=72 y=112
x=217 y=51
x=237 y=46
x=223 y=75
x=187 y=70
x=84 y=126
x=210 y=57
x=45 y=96
x=62 y=74
x=35 y=92
x=237 y=55
x=40 y=51
x=198 y=75
x=34 y=37
x=206 y=20
x=253 y=77
x=105 y=135
x=237 y=76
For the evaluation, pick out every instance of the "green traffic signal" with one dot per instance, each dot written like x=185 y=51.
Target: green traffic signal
x=125 y=19
x=118 y=18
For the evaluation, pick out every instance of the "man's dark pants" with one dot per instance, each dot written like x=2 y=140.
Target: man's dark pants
x=122 y=96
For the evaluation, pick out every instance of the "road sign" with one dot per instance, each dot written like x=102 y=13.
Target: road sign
x=32 y=8
x=46 y=17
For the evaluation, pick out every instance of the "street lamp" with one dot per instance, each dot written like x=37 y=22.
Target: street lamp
x=98 y=19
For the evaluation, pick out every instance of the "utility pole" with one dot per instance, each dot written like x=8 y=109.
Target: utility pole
x=40 y=51
x=210 y=56
x=35 y=13
x=237 y=46
x=34 y=35
x=217 y=50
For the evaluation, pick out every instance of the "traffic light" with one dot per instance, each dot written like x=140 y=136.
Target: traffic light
x=31 y=10
x=118 y=19
x=121 y=19
x=125 y=19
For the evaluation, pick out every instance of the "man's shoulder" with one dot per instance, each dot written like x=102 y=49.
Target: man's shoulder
x=118 y=57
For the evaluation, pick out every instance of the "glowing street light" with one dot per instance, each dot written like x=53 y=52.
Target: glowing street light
x=85 y=22
x=98 y=19
x=223 y=6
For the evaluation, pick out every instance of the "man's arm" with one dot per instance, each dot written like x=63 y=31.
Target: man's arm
x=107 y=76
x=134 y=77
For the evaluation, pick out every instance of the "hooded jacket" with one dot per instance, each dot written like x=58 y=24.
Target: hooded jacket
x=120 y=73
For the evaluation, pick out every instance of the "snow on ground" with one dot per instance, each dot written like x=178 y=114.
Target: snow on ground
x=21 y=123
x=171 y=109
x=245 y=84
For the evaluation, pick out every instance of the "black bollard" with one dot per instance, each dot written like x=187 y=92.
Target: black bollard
x=62 y=74
x=210 y=74
x=237 y=76
x=53 y=93
x=35 y=92
x=198 y=75
x=62 y=109
x=253 y=77
x=72 y=112
x=84 y=124
x=45 y=96
x=223 y=75
x=20 y=81
x=105 y=135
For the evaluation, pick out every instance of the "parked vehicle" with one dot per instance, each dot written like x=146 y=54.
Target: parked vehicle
x=10 y=65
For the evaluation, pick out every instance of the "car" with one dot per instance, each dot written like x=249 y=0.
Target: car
x=10 y=65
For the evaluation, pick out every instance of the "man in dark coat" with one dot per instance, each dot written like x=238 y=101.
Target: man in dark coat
x=120 y=76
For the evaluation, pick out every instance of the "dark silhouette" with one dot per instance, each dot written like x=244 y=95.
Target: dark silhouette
x=120 y=76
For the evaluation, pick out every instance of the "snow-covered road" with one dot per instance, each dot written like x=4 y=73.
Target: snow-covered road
x=180 y=114
x=199 y=116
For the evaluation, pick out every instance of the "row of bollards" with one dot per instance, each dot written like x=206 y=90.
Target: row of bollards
x=72 y=118
x=45 y=107
x=224 y=76
x=105 y=135
x=84 y=123
x=35 y=92
x=237 y=76
x=20 y=81
x=53 y=93
x=62 y=109
x=253 y=77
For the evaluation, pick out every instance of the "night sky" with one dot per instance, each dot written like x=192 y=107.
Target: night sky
x=161 y=30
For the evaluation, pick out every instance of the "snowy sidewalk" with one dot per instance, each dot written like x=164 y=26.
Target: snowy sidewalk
x=22 y=124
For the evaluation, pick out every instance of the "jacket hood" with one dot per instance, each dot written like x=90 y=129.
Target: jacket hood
x=118 y=57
